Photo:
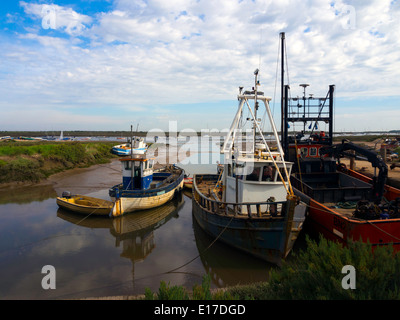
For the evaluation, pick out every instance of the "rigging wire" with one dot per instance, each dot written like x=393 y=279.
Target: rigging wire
x=259 y=59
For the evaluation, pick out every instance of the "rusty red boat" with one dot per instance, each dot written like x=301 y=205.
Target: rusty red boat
x=343 y=205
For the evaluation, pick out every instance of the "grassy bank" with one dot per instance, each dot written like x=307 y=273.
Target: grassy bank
x=34 y=161
x=316 y=273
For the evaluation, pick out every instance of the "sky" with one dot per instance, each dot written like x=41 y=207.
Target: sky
x=156 y=64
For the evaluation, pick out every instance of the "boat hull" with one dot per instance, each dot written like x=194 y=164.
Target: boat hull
x=268 y=238
x=188 y=183
x=85 y=205
x=127 y=201
x=126 y=151
x=130 y=204
x=335 y=226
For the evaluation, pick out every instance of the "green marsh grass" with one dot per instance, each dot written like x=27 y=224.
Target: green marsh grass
x=34 y=161
x=314 y=273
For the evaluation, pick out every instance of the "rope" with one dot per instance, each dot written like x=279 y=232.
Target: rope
x=193 y=259
x=374 y=225
x=347 y=205
x=160 y=273
x=201 y=253
x=290 y=189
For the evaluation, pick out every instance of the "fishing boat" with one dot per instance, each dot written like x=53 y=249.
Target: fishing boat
x=344 y=205
x=250 y=204
x=84 y=204
x=126 y=149
x=133 y=233
x=143 y=186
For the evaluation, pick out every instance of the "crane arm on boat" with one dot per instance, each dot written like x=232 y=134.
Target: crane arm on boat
x=376 y=161
x=290 y=189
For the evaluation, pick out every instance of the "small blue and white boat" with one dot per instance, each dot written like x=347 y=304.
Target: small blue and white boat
x=139 y=147
x=143 y=186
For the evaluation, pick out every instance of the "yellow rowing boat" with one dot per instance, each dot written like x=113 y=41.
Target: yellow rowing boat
x=84 y=204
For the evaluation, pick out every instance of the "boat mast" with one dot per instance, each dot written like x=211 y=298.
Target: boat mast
x=256 y=84
x=132 y=157
x=283 y=129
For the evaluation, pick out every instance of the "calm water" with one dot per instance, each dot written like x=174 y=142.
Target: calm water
x=109 y=257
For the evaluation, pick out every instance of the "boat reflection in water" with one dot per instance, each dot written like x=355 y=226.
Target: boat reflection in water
x=134 y=232
x=229 y=268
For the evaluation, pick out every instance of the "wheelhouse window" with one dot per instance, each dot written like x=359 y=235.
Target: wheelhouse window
x=268 y=173
x=127 y=165
x=304 y=152
x=254 y=176
x=136 y=167
x=283 y=174
x=313 y=152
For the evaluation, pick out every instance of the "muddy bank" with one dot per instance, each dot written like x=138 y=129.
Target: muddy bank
x=90 y=179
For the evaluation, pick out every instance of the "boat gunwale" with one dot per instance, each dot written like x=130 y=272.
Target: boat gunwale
x=149 y=192
x=83 y=209
x=233 y=215
x=353 y=219
x=361 y=177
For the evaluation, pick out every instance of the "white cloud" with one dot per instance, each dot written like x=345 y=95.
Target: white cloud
x=58 y=17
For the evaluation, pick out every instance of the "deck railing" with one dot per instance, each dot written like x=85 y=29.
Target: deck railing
x=251 y=209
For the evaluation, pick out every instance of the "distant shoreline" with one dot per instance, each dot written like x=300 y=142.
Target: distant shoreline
x=127 y=134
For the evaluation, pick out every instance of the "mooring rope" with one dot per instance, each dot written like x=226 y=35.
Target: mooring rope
x=160 y=273
x=201 y=253
x=387 y=233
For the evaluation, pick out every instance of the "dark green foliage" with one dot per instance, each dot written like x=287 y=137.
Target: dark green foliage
x=20 y=169
x=255 y=291
x=200 y=292
x=316 y=273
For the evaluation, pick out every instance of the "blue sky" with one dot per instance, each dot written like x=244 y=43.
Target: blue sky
x=104 y=65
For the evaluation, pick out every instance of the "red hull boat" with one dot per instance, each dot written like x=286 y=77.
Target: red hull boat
x=343 y=204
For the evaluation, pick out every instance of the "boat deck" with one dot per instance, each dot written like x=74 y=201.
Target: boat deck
x=210 y=198
x=347 y=212
x=206 y=187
